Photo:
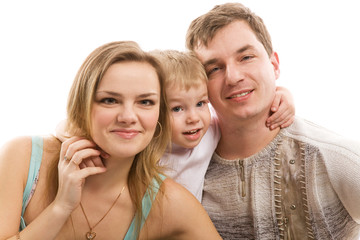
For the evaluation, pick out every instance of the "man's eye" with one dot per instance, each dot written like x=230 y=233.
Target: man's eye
x=246 y=58
x=176 y=109
x=108 y=101
x=213 y=70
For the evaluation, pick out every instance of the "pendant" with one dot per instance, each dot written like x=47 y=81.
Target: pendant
x=90 y=235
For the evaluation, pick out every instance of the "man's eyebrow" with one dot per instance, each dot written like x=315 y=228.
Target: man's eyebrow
x=209 y=62
x=240 y=50
x=245 y=48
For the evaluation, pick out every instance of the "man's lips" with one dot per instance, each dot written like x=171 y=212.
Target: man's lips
x=240 y=94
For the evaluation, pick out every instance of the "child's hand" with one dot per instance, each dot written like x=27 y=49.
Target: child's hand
x=283 y=109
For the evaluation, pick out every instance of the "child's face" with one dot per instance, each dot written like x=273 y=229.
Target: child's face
x=190 y=114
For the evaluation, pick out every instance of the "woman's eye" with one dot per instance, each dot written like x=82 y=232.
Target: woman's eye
x=108 y=101
x=176 y=109
x=147 y=102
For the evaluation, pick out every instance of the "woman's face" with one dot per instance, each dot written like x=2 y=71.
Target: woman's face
x=126 y=109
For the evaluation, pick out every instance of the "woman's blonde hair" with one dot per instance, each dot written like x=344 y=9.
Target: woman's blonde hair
x=81 y=97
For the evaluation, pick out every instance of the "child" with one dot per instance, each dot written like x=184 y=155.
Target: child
x=193 y=141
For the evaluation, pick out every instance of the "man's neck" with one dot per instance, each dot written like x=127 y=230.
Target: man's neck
x=244 y=139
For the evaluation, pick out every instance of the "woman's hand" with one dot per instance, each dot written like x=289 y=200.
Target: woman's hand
x=282 y=108
x=79 y=159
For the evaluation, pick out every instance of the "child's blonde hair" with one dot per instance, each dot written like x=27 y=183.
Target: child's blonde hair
x=182 y=69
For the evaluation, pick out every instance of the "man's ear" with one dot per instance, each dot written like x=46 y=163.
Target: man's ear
x=276 y=63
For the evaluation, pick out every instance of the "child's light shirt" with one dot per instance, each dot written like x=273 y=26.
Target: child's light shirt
x=188 y=166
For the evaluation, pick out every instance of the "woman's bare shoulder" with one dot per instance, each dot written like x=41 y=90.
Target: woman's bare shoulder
x=15 y=148
x=174 y=195
x=181 y=214
x=175 y=190
x=17 y=151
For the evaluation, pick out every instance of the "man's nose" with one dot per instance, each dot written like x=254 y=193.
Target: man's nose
x=234 y=74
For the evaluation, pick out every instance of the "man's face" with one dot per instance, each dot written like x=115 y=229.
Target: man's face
x=241 y=75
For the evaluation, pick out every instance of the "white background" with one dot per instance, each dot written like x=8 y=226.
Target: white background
x=43 y=43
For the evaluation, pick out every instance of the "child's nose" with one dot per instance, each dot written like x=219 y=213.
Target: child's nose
x=192 y=117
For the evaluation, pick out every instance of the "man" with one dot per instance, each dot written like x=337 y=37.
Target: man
x=296 y=183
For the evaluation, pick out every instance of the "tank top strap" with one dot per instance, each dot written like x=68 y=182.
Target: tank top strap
x=35 y=162
x=146 y=207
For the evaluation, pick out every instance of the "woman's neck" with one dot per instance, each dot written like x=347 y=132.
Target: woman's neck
x=116 y=174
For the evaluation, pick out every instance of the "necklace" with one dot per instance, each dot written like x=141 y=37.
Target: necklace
x=91 y=234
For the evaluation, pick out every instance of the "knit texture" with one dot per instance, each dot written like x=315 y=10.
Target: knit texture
x=304 y=185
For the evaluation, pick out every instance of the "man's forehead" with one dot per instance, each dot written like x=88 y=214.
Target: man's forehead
x=232 y=39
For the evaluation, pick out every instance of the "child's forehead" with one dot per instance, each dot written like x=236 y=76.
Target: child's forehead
x=198 y=89
x=186 y=84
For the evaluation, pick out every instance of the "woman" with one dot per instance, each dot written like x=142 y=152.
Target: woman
x=105 y=183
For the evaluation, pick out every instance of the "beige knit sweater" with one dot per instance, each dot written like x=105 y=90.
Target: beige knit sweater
x=304 y=185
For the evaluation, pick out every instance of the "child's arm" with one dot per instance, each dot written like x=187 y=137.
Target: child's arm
x=282 y=108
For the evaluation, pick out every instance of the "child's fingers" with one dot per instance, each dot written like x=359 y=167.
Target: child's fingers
x=285 y=119
x=288 y=122
x=276 y=117
x=276 y=102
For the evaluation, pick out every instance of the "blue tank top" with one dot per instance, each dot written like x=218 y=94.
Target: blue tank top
x=35 y=162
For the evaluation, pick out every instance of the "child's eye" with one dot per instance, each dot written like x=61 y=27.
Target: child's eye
x=108 y=101
x=176 y=109
x=201 y=103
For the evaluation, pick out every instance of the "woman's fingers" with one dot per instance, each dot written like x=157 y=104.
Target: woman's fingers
x=65 y=145
x=88 y=171
x=92 y=162
x=84 y=155
x=79 y=158
x=72 y=153
x=76 y=145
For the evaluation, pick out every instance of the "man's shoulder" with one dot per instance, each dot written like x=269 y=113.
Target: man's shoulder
x=311 y=133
